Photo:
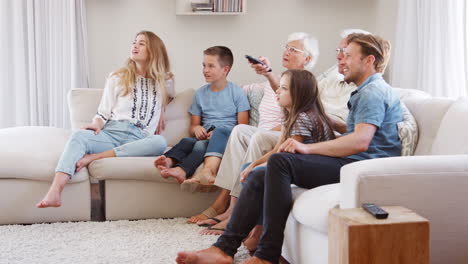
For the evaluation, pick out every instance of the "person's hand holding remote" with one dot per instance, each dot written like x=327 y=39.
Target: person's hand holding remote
x=262 y=68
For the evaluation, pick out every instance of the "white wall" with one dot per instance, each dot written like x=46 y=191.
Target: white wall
x=112 y=25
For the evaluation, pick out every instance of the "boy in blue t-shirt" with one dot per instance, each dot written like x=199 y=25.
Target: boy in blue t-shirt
x=221 y=105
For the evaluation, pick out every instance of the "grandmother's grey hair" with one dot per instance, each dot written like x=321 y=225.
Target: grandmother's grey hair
x=311 y=47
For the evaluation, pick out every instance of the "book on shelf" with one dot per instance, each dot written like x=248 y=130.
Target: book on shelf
x=227 y=6
x=201 y=6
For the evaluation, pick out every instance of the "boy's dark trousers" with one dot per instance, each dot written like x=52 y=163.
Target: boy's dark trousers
x=189 y=153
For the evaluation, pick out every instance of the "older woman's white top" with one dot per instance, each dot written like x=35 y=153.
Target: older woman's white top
x=141 y=107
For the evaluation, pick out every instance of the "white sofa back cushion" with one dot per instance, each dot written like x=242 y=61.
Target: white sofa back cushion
x=451 y=138
x=83 y=104
x=178 y=117
x=428 y=113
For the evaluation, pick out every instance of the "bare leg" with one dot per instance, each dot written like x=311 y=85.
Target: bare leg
x=223 y=216
x=251 y=241
x=211 y=255
x=177 y=173
x=53 y=198
x=219 y=206
x=210 y=169
x=88 y=158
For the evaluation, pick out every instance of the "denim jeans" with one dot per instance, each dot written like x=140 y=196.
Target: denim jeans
x=189 y=153
x=125 y=138
x=267 y=192
x=260 y=219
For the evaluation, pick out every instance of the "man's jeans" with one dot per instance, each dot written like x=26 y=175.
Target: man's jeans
x=267 y=192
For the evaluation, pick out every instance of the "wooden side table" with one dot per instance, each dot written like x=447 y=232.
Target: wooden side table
x=356 y=237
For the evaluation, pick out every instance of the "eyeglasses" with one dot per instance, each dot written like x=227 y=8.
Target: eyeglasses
x=340 y=50
x=293 y=50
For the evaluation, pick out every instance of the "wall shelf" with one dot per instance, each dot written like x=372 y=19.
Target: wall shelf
x=184 y=8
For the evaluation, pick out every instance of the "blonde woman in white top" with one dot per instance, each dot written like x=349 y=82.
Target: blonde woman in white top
x=130 y=113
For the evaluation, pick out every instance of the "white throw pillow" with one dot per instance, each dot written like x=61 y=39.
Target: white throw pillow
x=407 y=132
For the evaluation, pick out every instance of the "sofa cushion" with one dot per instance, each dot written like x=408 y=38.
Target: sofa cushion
x=407 y=132
x=38 y=147
x=428 y=113
x=311 y=207
x=83 y=104
x=127 y=168
x=178 y=117
x=404 y=94
x=451 y=138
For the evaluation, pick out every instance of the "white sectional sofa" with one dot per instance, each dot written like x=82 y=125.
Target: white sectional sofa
x=133 y=187
x=433 y=183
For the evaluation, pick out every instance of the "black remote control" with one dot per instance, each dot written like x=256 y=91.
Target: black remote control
x=211 y=128
x=256 y=61
x=375 y=210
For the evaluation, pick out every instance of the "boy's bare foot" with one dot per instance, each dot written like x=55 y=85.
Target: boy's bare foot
x=163 y=162
x=51 y=199
x=84 y=161
x=177 y=173
x=255 y=260
x=216 y=230
x=211 y=255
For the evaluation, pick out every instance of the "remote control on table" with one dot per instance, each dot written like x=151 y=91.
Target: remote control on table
x=375 y=210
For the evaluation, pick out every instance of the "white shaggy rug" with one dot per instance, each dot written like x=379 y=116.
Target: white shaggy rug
x=144 y=241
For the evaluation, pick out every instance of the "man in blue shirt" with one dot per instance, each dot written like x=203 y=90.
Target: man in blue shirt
x=370 y=132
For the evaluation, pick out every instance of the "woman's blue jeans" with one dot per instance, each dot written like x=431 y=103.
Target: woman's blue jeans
x=189 y=153
x=125 y=138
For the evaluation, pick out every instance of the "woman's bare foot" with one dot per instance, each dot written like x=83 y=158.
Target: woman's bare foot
x=255 y=260
x=177 y=173
x=51 y=199
x=207 y=177
x=211 y=255
x=84 y=161
x=216 y=230
x=163 y=162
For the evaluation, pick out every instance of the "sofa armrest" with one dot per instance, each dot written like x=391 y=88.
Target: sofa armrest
x=435 y=187
x=416 y=181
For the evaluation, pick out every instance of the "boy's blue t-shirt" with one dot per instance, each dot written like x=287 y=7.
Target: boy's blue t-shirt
x=219 y=108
